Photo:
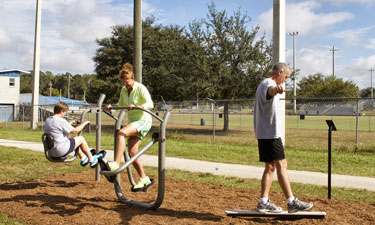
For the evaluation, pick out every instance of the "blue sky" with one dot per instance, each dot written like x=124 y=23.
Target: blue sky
x=70 y=27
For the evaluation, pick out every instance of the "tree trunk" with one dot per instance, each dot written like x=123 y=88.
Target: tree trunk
x=226 y=117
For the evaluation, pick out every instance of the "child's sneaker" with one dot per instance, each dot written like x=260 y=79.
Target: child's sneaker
x=268 y=207
x=84 y=161
x=113 y=166
x=94 y=161
x=298 y=205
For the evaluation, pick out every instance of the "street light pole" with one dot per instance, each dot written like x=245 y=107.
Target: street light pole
x=333 y=60
x=293 y=34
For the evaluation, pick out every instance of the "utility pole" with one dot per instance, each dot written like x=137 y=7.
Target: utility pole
x=293 y=34
x=372 y=90
x=333 y=60
x=137 y=26
x=35 y=96
x=68 y=85
x=278 y=51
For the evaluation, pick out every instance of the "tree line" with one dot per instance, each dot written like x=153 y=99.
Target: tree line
x=217 y=57
x=67 y=85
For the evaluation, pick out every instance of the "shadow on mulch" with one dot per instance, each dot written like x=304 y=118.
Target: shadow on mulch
x=33 y=185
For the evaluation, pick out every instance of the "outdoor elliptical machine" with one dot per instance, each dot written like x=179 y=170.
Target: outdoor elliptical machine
x=114 y=176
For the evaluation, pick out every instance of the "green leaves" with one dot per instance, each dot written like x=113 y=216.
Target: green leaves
x=317 y=85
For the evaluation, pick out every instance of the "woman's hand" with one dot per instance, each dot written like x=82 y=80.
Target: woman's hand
x=108 y=107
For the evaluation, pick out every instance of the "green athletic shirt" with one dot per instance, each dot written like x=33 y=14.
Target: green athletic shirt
x=139 y=96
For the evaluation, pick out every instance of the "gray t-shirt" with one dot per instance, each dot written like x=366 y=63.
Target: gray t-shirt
x=59 y=128
x=266 y=115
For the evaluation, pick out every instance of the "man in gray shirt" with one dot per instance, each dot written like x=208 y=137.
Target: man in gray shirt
x=267 y=132
x=59 y=129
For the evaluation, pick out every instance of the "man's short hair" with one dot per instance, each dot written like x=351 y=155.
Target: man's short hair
x=60 y=106
x=280 y=66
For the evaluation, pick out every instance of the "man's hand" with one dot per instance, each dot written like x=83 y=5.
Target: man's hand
x=274 y=90
x=280 y=89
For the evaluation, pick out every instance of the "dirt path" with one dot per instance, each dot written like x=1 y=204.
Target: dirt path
x=70 y=199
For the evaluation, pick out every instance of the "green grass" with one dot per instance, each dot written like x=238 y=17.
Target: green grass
x=245 y=120
x=228 y=149
x=24 y=165
x=5 y=220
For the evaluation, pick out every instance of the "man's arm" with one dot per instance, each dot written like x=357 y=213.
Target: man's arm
x=274 y=90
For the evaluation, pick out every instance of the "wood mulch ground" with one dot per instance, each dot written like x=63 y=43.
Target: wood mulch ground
x=78 y=199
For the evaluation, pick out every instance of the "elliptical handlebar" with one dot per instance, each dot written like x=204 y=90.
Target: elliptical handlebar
x=108 y=112
x=82 y=118
x=139 y=108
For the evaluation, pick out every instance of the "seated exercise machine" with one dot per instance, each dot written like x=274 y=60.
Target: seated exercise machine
x=48 y=143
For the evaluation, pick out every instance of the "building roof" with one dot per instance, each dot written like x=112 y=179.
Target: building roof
x=50 y=100
x=13 y=71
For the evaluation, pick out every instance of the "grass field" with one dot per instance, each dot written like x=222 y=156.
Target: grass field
x=306 y=149
x=24 y=165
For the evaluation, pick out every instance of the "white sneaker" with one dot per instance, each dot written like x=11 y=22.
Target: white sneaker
x=268 y=207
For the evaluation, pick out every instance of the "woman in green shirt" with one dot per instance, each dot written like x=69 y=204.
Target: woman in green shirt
x=133 y=94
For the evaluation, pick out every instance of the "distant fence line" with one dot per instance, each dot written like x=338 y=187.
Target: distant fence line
x=352 y=115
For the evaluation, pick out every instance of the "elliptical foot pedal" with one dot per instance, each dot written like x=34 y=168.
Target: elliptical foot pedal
x=103 y=162
x=101 y=154
x=144 y=189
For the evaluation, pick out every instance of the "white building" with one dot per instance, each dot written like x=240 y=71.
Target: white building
x=9 y=93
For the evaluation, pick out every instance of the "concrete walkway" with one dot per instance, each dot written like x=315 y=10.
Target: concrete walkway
x=234 y=170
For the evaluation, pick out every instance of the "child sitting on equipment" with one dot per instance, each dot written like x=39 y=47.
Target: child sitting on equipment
x=59 y=129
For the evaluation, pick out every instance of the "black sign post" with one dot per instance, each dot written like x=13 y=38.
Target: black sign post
x=331 y=128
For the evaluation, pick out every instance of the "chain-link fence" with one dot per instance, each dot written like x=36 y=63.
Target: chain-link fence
x=305 y=122
x=306 y=126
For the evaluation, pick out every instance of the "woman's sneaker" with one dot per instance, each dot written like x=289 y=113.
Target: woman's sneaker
x=142 y=185
x=113 y=166
x=142 y=182
x=298 y=205
x=268 y=207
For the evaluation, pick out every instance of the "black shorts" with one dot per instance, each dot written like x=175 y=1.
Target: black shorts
x=270 y=150
x=72 y=145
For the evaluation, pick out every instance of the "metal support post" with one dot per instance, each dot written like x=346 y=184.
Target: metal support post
x=331 y=128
